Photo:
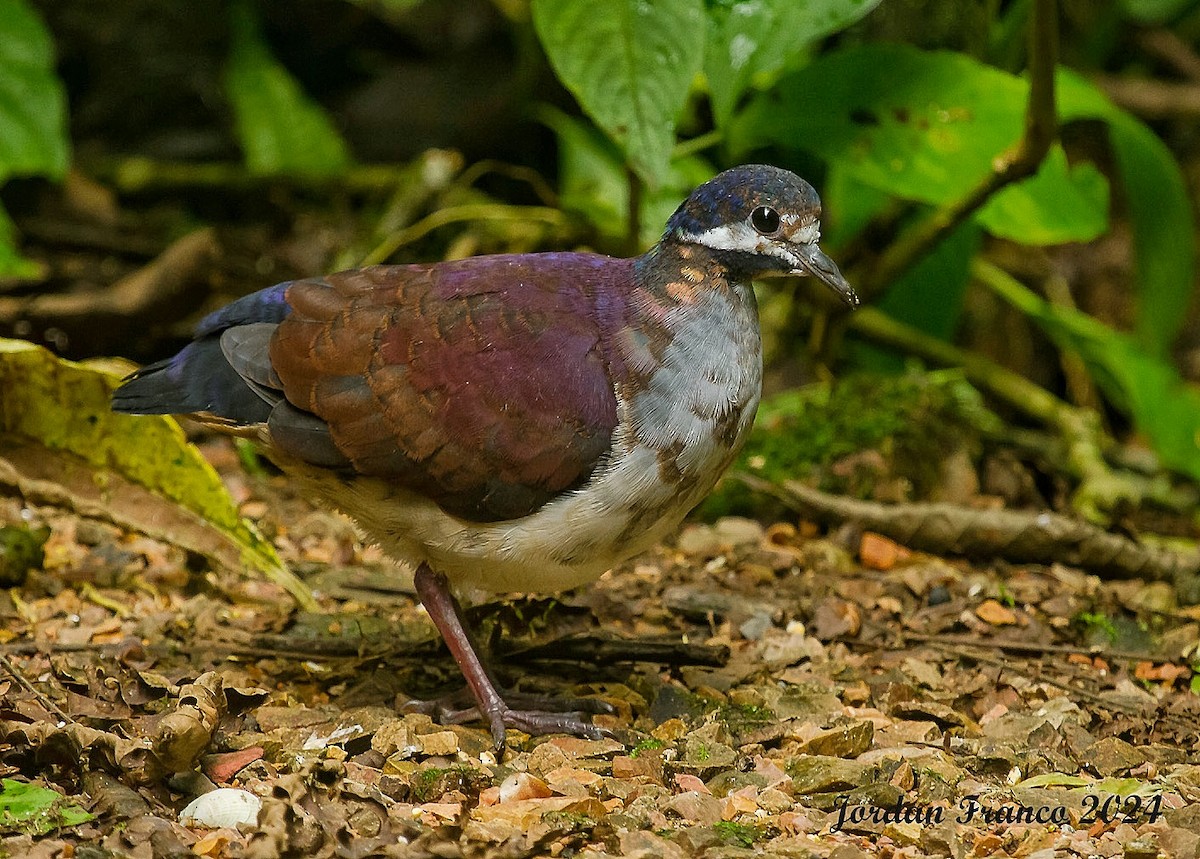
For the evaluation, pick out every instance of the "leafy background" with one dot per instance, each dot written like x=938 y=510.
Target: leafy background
x=161 y=157
x=340 y=133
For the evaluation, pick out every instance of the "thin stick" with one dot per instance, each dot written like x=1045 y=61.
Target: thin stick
x=7 y=665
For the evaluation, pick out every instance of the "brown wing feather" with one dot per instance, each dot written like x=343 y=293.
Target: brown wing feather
x=481 y=383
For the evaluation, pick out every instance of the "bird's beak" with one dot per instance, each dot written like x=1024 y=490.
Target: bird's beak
x=812 y=260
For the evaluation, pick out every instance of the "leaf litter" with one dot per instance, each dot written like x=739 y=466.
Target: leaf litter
x=776 y=690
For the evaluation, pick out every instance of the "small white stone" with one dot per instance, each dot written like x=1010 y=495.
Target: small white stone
x=223 y=808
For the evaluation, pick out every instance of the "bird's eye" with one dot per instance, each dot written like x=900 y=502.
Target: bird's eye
x=765 y=220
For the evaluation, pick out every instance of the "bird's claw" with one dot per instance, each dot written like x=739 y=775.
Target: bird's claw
x=534 y=714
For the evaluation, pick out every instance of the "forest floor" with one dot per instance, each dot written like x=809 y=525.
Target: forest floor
x=777 y=690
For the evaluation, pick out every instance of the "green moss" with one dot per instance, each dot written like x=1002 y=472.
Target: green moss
x=1096 y=626
x=646 y=745
x=568 y=821
x=738 y=834
x=912 y=421
x=428 y=784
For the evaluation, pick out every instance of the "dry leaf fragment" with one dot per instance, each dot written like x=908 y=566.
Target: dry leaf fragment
x=223 y=767
x=992 y=612
x=186 y=731
x=519 y=786
x=877 y=552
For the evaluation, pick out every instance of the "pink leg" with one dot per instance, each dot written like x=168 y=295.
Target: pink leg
x=434 y=593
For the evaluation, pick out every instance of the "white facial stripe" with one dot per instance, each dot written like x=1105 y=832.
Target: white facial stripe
x=742 y=237
x=730 y=237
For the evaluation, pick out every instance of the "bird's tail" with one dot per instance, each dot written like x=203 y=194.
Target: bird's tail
x=197 y=380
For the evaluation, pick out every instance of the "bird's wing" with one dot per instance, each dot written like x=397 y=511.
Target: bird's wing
x=480 y=383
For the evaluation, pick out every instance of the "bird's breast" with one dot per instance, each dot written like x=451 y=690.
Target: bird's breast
x=691 y=385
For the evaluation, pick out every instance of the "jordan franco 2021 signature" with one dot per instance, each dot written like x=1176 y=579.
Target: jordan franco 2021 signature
x=1096 y=808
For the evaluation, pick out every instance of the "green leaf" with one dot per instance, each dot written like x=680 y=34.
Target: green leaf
x=1155 y=12
x=752 y=40
x=923 y=126
x=630 y=64
x=848 y=205
x=60 y=440
x=929 y=296
x=592 y=181
x=34 y=810
x=33 y=118
x=12 y=264
x=926 y=126
x=1059 y=204
x=1150 y=390
x=281 y=130
x=1157 y=196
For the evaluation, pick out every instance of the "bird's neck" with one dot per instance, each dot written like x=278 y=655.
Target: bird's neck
x=675 y=270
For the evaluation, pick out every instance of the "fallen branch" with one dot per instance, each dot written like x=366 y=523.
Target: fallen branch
x=1020 y=536
x=141 y=295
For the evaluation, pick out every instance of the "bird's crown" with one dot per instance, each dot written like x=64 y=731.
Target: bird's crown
x=748 y=202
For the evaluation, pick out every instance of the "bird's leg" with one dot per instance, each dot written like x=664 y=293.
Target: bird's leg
x=434 y=592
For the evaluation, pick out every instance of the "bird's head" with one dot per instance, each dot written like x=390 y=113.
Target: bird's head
x=759 y=221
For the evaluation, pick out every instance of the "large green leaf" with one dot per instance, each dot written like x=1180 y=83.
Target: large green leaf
x=630 y=64
x=280 y=128
x=848 y=205
x=927 y=126
x=923 y=126
x=749 y=40
x=1157 y=196
x=33 y=136
x=1150 y=390
x=60 y=441
x=929 y=296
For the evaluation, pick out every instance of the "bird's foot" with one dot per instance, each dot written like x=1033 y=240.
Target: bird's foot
x=532 y=713
x=448 y=708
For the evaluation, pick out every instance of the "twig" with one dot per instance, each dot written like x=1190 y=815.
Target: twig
x=633 y=232
x=1038 y=648
x=49 y=705
x=1037 y=676
x=602 y=650
x=516 y=172
x=136 y=175
x=1020 y=162
x=1169 y=47
x=684 y=148
x=1152 y=99
x=456 y=214
x=147 y=291
x=1022 y=536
